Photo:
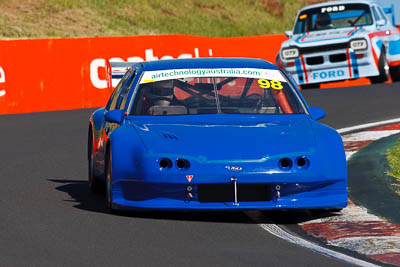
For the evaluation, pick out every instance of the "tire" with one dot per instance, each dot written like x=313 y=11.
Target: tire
x=109 y=194
x=395 y=73
x=383 y=68
x=94 y=184
x=310 y=86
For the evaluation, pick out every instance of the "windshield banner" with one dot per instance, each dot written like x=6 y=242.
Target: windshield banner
x=154 y=76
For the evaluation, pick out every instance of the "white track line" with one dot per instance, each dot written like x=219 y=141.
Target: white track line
x=279 y=232
x=367 y=125
x=368 y=135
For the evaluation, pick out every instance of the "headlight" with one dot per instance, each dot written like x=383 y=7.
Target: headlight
x=359 y=44
x=289 y=53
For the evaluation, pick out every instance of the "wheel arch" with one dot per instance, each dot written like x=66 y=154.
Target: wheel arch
x=90 y=139
x=125 y=147
x=107 y=152
x=330 y=149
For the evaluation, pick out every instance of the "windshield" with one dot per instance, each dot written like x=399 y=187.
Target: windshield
x=268 y=94
x=333 y=17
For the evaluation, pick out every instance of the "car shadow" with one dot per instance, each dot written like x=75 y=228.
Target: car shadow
x=79 y=193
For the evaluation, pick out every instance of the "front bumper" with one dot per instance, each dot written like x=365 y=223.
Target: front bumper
x=334 y=65
x=131 y=194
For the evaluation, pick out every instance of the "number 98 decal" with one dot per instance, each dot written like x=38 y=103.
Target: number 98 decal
x=277 y=85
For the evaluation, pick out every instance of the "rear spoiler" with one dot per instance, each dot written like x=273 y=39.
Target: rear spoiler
x=115 y=71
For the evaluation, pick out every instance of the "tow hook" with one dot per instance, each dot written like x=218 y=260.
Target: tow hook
x=189 y=193
x=234 y=180
x=277 y=192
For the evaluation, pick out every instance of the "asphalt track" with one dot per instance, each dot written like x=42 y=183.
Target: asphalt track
x=49 y=217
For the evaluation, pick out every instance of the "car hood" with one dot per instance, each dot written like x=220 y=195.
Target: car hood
x=252 y=138
x=327 y=36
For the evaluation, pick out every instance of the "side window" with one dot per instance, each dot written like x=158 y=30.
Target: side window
x=376 y=16
x=115 y=95
x=383 y=15
x=125 y=92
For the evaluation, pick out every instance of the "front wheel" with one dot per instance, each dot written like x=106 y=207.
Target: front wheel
x=94 y=184
x=395 y=73
x=109 y=193
x=383 y=68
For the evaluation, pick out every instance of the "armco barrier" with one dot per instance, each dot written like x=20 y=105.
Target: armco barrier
x=59 y=74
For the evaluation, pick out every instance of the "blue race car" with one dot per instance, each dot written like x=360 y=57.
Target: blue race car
x=213 y=134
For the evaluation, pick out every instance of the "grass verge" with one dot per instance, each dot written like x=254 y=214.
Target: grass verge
x=393 y=156
x=74 y=18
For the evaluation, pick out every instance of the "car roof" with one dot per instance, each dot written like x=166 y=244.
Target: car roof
x=338 y=3
x=196 y=63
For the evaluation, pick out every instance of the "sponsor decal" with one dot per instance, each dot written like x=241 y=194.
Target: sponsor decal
x=234 y=168
x=277 y=85
x=329 y=9
x=2 y=80
x=326 y=36
x=327 y=74
x=153 y=76
x=98 y=65
x=189 y=177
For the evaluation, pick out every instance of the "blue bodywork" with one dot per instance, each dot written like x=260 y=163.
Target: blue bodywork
x=224 y=150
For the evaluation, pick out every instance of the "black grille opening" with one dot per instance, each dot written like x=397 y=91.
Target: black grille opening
x=338 y=57
x=323 y=48
x=225 y=192
x=314 y=60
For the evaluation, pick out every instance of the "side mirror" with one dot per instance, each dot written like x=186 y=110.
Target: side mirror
x=317 y=113
x=116 y=115
x=289 y=33
x=380 y=22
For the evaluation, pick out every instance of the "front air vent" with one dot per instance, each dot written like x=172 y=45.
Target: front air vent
x=285 y=164
x=182 y=164
x=302 y=162
x=165 y=163
x=169 y=136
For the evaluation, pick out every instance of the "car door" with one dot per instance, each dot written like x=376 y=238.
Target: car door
x=115 y=102
x=390 y=35
x=381 y=29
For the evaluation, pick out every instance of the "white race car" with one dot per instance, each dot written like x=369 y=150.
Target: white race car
x=341 y=40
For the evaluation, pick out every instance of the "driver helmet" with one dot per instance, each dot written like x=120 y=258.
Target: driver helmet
x=323 y=21
x=162 y=92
